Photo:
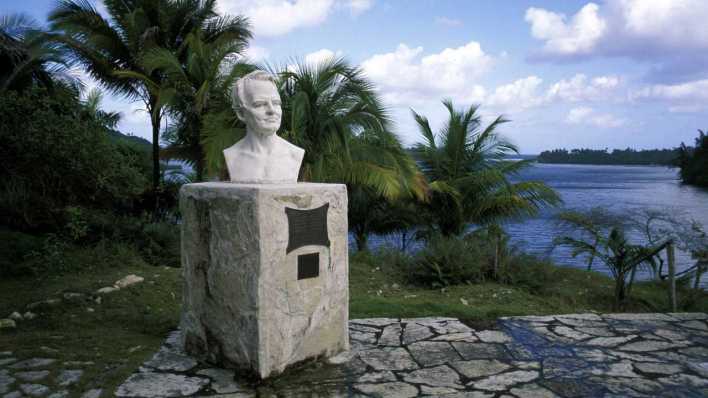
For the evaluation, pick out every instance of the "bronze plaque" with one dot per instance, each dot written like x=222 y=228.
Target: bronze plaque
x=307 y=227
x=308 y=266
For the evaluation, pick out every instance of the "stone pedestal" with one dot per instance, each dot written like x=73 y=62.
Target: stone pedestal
x=265 y=273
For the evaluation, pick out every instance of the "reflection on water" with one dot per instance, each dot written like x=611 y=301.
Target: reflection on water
x=622 y=189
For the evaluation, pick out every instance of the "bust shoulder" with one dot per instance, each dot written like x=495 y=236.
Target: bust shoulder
x=295 y=151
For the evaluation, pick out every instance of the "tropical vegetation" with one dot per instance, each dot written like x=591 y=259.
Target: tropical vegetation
x=469 y=176
x=113 y=50
x=628 y=156
x=693 y=161
x=82 y=204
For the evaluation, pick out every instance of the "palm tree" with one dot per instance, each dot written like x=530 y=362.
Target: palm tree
x=92 y=102
x=112 y=49
x=196 y=85
x=620 y=256
x=335 y=114
x=27 y=57
x=468 y=174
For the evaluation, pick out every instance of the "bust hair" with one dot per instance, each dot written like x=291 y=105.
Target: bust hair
x=237 y=90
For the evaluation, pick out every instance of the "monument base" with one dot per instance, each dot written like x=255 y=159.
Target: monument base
x=265 y=273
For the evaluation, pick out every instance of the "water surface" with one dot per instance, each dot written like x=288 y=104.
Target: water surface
x=621 y=189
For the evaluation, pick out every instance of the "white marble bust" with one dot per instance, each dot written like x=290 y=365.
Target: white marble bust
x=261 y=157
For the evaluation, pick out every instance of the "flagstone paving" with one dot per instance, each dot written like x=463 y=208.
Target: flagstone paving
x=577 y=355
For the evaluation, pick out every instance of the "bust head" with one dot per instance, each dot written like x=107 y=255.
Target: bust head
x=256 y=101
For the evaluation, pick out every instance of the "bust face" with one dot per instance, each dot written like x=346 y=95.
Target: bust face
x=260 y=107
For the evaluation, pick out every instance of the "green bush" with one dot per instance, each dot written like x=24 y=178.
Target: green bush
x=160 y=244
x=528 y=271
x=15 y=249
x=55 y=155
x=449 y=261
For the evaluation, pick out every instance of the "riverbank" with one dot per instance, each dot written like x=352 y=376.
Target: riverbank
x=108 y=335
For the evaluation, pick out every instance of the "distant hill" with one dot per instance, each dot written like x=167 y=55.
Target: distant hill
x=139 y=142
x=629 y=156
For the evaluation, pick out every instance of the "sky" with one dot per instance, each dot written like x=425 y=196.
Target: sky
x=569 y=74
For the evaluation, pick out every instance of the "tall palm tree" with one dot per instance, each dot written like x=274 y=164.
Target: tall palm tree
x=465 y=164
x=27 y=57
x=334 y=113
x=195 y=82
x=112 y=49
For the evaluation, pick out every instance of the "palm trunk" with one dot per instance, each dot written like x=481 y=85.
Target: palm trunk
x=620 y=292
x=199 y=166
x=404 y=241
x=155 y=121
x=497 y=254
x=361 y=240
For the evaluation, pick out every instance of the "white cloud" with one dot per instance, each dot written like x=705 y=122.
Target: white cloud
x=278 y=17
x=256 y=53
x=578 y=115
x=359 y=6
x=445 y=21
x=588 y=116
x=665 y=22
x=689 y=97
x=527 y=93
x=318 y=56
x=579 y=88
x=577 y=36
x=693 y=91
x=671 y=34
x=520 y=94
x=406 y=74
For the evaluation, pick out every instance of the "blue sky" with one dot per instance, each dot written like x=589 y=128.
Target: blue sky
x=609 y=74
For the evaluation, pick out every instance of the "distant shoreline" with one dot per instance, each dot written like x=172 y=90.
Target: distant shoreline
x=671 y=166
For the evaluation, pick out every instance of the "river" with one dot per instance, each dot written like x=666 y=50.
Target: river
x=622 y=189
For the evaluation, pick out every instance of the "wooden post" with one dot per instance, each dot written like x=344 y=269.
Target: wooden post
x=672 y=275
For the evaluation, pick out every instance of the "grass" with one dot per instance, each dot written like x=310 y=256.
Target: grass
x=128 y=325
x=379 y=289
x=117 y=335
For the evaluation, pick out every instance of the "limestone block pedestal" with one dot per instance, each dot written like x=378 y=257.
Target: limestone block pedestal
x=265 y=273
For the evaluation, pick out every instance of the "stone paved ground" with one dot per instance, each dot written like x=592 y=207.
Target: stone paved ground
x=580 y=355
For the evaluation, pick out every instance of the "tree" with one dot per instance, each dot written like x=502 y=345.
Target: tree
x=619 y=255
x=92 y=102
x=112 y=49
x=56 y=154
x=195 y=82
x=468 y=174
x=27 y=58
x=333 y=112
x=693 y=161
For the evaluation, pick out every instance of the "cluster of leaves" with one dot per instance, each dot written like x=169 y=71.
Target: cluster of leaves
x=55 y=154
x=693 y=161
x=474 y=258
x=607 y=237
x=161 y=52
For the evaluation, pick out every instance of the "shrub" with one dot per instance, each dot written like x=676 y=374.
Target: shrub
x=159 y=244
x=449 y=261
x=528 y=271
x=56 y=155
x=15 y=248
